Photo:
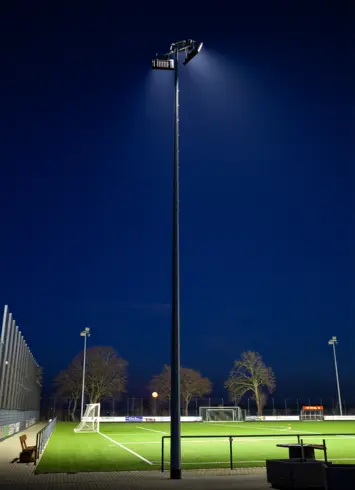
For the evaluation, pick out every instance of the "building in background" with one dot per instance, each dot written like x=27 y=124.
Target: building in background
x=20 y=380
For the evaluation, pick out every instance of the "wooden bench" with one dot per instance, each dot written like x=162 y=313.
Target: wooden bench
x=28 y=453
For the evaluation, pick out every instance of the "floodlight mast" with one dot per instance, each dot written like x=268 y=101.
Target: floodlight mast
x=333 y=341
x=191 y=48
x=85 y=333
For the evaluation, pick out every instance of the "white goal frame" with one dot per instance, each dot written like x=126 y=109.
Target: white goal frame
x=90 y=421
x=207 y=414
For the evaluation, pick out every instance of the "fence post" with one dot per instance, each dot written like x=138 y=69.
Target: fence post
x=36 y=451
x=162 y=454
x=231 y=452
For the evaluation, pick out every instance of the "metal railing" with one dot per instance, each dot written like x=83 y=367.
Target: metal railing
x=243 y=436
x=43 y=437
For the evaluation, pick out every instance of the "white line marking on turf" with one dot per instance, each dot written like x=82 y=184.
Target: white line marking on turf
x=126 y=448
x=152 y=430
x=264 y=428
x=236 y=440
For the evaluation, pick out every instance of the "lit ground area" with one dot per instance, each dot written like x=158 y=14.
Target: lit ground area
x=138 y=446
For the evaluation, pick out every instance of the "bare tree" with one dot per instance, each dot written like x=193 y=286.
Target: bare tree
x=105 y=373
x=191 y=381
x=250 y=374
x=68 y=384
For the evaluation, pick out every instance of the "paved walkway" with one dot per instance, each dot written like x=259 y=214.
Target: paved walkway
x=15 y=476
x=137 y=480
x=10 y=448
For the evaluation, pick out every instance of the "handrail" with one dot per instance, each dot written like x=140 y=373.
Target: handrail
x=42 y=438
x=241 y=436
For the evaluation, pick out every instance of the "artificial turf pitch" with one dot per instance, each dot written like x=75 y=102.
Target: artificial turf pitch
x=137 y=446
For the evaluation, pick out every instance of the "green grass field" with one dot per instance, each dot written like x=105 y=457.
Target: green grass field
x=137 y=446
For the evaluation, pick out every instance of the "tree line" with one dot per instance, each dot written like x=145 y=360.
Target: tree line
x=106 y=377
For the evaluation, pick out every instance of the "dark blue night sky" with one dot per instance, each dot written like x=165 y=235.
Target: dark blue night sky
x=267 y=187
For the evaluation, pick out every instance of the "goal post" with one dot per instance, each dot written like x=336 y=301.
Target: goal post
x=312 y=413
x=90 y=421
x=221 y=414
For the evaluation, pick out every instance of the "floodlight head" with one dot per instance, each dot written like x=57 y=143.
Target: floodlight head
x=87 y=330
x=194 y=49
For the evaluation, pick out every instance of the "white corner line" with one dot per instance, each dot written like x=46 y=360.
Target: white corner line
x=126 y=448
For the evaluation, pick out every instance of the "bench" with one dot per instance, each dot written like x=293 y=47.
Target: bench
x=28 y=453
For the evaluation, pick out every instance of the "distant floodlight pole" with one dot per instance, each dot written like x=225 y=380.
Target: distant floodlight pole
x=170 y=61
x=332 y=342
x=85 y=333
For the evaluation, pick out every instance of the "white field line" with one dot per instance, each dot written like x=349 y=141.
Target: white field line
x=126 y=448
x=245 y=440
x=273 y=427
x=152 y=430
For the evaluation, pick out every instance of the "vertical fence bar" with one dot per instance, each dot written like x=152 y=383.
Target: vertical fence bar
x=25 y=378
x=22 y=369
x=8 y=366
x=162 y=454
x=17 y=366
x=2 y=347
x=231 y=452
x=13 y=379
x=36 y=450
x=3 y=374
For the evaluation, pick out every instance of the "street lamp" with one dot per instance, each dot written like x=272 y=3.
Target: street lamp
x=170 y=61
x=85 y=333
x=332 y=342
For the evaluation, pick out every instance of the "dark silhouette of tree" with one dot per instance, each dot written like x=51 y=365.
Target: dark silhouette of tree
x=250 y=374
x=191 y=381
x=105 y=373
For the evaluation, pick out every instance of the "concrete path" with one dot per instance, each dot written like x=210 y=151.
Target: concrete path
x=10 y=448
x=253 y=479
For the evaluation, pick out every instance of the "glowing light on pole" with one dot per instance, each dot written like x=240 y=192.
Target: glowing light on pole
x=85 y=333
x=332 y=342
x=170 y=61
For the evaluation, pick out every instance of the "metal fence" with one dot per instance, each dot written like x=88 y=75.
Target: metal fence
x=231 y=437
x=19 y=371
x=43 y=437
x=122 y=405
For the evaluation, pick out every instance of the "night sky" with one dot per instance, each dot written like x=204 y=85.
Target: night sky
x=267 y=186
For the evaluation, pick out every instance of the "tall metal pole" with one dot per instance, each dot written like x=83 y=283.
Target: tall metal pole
x=83 y=385
x=337 y=376
x=175 y=441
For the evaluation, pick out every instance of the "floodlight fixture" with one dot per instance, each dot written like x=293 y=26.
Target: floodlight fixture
x=84 y=333
x=155 y=394
x=193 y=52
x=170 y=61
x=333 y=341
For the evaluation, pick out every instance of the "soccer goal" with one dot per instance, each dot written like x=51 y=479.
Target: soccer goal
x=221 y=414
x=312 y=413
x=90 y=421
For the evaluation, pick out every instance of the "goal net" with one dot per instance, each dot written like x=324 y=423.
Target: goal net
x=90 y=421
x=221 y=414
x=312 y=413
